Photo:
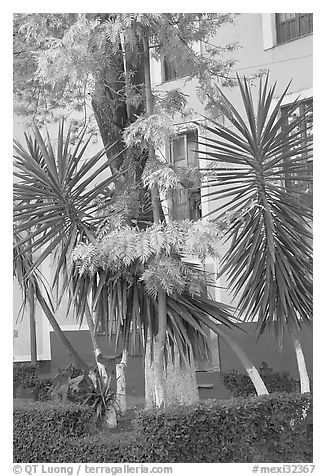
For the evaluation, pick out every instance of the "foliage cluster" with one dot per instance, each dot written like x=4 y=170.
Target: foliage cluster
x=269 y=428
x=255 y=154
x=26 y=378
x=79 y=59
x=40 y=427
x=73 y=385
x=240 y=384
x=24 y=373
x=273 y=428
x=152 y=255
x=42 y=389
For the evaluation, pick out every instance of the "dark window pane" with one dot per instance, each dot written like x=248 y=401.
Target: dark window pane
x=187 y=199
x=174 y=70
x=290 y=26
x=300 y=182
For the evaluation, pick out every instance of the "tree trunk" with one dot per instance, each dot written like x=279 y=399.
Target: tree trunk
x=159 y=344
x=150 y=399
x=180 y=385
x=57 y=329
x=110 y=419
x=159 y=339
x=302 y=368
x=248 y=365
x=121 y=383
x=96 y=348
x=32 y=324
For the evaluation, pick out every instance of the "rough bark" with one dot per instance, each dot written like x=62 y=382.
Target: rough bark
x=301 y=362
x=32 y=324
x=159 y=339
x=180 y=385
x=121 y=383
x=96 y=348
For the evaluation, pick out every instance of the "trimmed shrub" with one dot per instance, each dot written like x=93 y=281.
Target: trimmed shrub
x=40 y=429
x=97 y=449
x=24 y=374
x=240 y=384
x=271 y=428
x=42 y=389
x=25 y=378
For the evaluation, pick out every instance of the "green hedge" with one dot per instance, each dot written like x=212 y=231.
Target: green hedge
x=42 y=389
x=25 y=377
x=24 y=373
x=40 y=429
x=269 y=428
x=256 y=429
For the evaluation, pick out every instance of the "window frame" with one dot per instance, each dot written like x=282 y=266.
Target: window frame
x=291 y=29
x=197 y=212
x=289 y=182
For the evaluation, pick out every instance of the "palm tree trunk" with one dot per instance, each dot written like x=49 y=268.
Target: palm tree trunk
x=248 y=365
x=180 y=383
x=159 y=340
x=301 y=362
x=159 y=344
x=32 y=324
x=96 y=347
x=149 y=373
x=121 y=382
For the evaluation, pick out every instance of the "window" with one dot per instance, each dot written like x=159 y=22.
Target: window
x=290 y=26
x=184 y=156
x=302 y=187
x=173 y=70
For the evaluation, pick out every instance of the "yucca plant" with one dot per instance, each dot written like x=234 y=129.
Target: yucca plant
x=55 y=205
x=102 y=398
x=269 y=259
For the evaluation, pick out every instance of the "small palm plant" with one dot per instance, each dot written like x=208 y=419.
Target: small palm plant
x=269 y=259
x=102 y=398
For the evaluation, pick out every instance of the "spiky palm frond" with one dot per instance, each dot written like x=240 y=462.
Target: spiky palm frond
x=55 y=192
x=29 y=282
x=268 y=262
x=124 y=298
x=54 y=209
x=124 y=309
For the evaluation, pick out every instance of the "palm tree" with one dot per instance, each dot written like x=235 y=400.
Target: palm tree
x=54 y=202
x=269 y=260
